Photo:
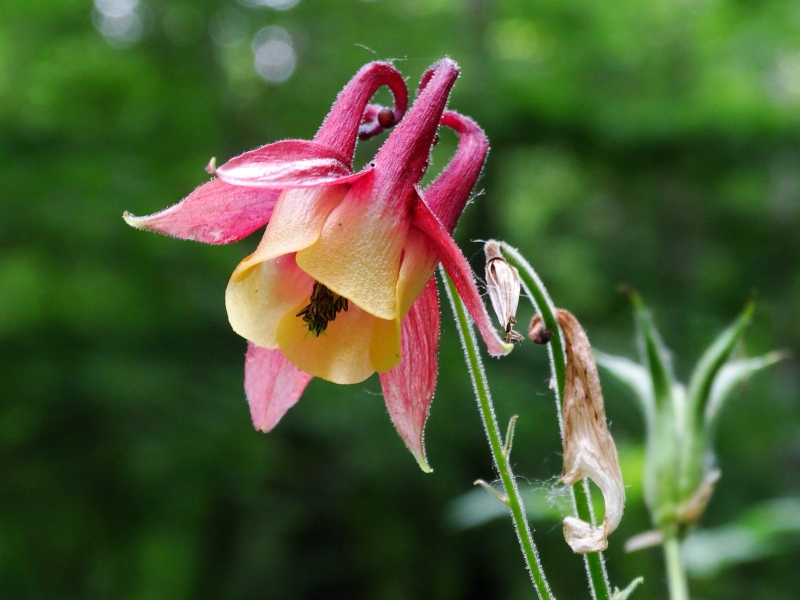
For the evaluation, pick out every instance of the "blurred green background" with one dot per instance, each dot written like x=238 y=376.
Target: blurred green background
x=649 y=142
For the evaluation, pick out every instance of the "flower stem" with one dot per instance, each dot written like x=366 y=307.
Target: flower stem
x=533 y=286
x=678 y=588
x=512 y=495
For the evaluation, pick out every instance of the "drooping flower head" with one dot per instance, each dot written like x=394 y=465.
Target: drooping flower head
x=589 y=449
x=341 y=284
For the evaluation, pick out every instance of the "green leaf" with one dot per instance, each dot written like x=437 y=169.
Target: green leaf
x=696 y=443
x=780 y=516
x=707 y=552
x=655 y=354
x=662 y=472
x=635 y=378
x=731 y=375
x=622 y=595
x=712 y=361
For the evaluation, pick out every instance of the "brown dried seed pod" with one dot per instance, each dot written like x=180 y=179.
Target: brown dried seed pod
x=589 y=450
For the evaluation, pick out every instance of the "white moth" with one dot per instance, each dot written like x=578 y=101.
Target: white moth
x=503 y=286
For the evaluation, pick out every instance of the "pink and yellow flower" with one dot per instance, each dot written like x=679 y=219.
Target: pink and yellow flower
x=341 y=284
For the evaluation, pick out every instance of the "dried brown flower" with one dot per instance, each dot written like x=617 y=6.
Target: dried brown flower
x=589 y=450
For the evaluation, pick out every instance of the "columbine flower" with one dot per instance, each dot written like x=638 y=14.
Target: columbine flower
x=340 y=286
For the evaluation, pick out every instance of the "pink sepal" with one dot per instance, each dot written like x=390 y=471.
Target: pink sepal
x=405 y=155
x=352 y=117
x=447 y=195
x=214 y=213
x=408 y=388
x=272 y=385
x=460 y=272
x=286 y=164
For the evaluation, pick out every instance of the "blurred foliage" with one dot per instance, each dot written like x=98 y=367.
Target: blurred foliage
x=639 y=141
x=765 y=529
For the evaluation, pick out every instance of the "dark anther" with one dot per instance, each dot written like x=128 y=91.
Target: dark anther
x=542 y=335
x=322 y=308
x=386 y=118
x=435 y=138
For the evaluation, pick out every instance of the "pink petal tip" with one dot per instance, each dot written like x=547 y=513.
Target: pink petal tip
x=457 y=267
x=272 y=385
x=408 y=388
x=214 y=213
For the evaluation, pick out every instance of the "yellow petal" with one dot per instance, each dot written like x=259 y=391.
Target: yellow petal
x=340 y=354
x=296 y=223
x=358 y=252
x=259 y=300
x=419 y=262
x=384 y=348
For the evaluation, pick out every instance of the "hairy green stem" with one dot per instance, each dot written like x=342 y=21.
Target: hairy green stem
x=678 y=588
x=595 y=565
x=512 y=495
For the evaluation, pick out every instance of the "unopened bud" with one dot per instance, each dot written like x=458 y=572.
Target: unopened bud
x=539 y=333
x=375 y=120
x=503 y=285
